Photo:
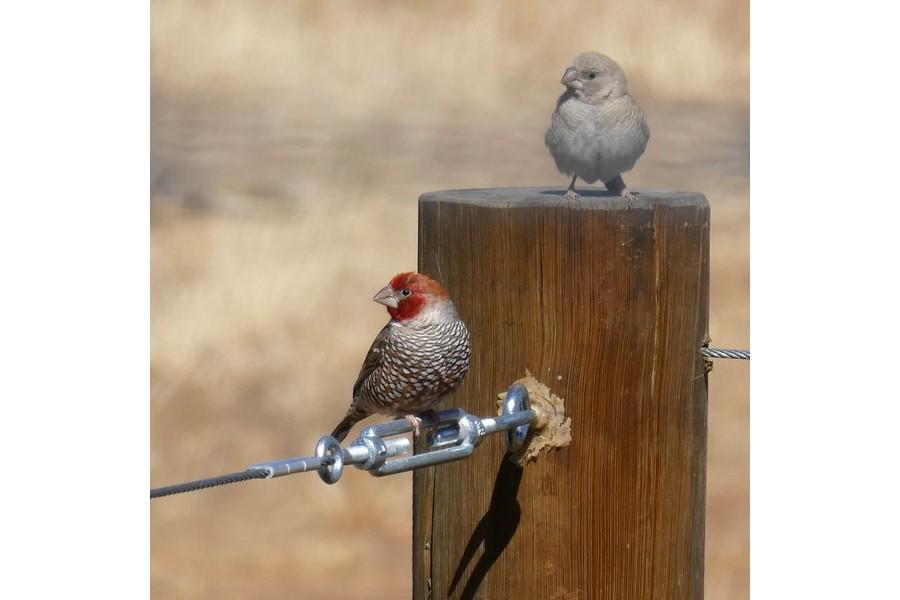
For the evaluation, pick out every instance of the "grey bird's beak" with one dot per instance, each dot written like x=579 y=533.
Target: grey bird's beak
x=570 y=79
x=386 y=296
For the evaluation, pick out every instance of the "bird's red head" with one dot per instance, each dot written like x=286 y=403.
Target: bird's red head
x=408 y=294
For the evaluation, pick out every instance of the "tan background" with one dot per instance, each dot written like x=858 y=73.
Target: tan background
x=289 y=144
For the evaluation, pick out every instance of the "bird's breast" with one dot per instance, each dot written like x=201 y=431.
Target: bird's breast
x=596 y=141
x=419 y=366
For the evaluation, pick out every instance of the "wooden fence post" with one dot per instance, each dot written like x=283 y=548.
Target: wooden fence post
x=608 y=305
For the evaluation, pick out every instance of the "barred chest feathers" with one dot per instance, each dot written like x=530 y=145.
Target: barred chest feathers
x=420 y=364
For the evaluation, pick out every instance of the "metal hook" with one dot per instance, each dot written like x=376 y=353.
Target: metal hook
x=516 y=401
x=332 y=467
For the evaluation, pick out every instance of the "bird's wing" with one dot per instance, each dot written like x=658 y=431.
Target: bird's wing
x=373 y=358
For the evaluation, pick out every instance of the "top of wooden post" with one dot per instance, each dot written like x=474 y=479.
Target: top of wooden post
x=591 y=198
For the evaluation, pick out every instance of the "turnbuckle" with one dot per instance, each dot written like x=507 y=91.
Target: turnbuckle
x=451 y=435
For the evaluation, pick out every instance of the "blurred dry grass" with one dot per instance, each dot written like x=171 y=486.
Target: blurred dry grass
x=289 y=144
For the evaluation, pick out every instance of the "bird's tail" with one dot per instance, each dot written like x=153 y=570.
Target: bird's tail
x=343 y=428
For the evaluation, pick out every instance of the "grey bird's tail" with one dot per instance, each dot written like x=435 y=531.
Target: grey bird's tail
x=343 y=428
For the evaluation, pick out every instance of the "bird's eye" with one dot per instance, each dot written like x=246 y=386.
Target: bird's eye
x=405 y=292
x=592 y=75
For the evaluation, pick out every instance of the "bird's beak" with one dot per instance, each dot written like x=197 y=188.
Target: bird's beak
x=570 y=79
x=386 y=296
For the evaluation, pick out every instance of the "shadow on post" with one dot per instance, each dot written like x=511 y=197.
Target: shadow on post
x=495 y=529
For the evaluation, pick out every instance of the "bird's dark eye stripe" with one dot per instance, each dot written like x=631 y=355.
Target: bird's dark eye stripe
x=405 y=292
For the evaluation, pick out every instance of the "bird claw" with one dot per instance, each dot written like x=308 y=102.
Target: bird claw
x=629 y=198
x=416 y=423
x=572 y=195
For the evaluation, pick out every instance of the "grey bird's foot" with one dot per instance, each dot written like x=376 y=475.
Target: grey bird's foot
x=617 y=186
x=571 y=194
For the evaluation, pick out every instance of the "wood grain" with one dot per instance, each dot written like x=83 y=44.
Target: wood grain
x=608 y=305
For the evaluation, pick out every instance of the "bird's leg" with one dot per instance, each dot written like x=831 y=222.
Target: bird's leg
x=416 y=423
x=571 y=194
x=617 y=186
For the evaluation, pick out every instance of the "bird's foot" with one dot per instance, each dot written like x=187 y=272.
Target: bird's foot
x=617 y=186
x=416 y=423
x=571 y=194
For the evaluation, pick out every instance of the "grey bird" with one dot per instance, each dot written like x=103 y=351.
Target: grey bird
x=597 y=130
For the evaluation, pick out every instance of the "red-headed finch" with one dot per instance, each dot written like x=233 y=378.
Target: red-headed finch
x=419 y=358
x=597 y=130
